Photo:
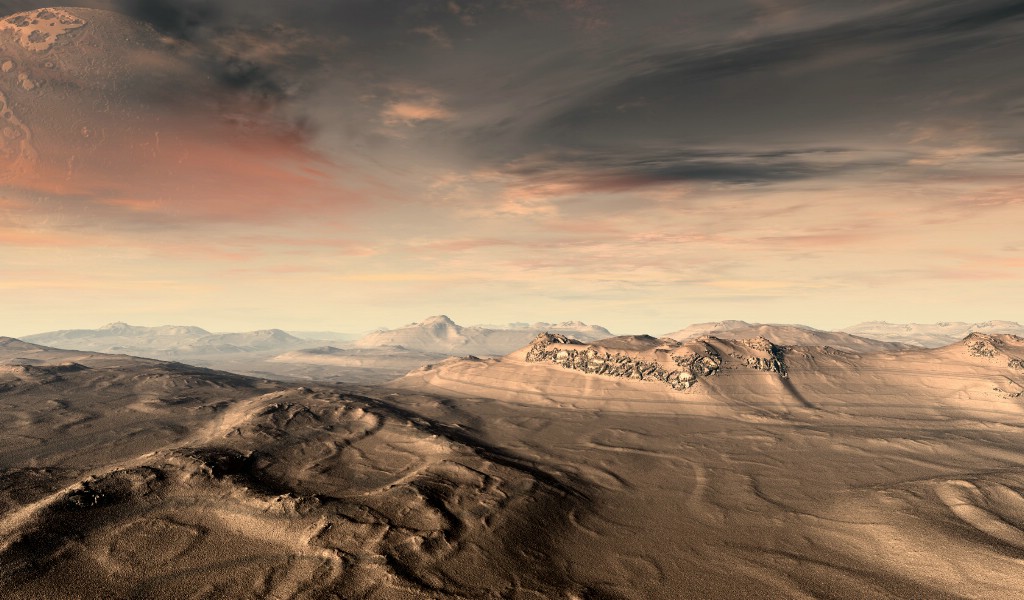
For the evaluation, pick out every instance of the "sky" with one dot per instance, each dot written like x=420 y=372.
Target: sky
x=642 y=165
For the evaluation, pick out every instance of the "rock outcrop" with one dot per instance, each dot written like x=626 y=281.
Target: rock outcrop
x=773 y=362
x=983 y=345
x=668 y=361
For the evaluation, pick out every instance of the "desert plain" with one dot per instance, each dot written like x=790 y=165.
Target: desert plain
x=565 y=469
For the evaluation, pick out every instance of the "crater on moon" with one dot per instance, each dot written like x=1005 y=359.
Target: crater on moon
x=39 y=30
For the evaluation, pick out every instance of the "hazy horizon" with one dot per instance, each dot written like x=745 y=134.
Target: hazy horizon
x=466 y=323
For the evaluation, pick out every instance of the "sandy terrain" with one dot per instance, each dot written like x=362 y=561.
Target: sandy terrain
x=854 y=476
x=124 y=477
x=796 y=472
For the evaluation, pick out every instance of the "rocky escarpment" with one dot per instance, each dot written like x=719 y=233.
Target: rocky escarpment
x=979 y=344
x=773 y=362
x=591 y=360
x=983 y=345
x=699 y=364
x=667 y=361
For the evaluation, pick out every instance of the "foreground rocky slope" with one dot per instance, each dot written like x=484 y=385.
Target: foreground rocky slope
x=883 y=475
x=126 y=477
x=564 y=470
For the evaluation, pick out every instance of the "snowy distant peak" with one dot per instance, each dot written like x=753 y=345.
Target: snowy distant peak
x=331 y=336
x=700 y=329
x=122 y=328
x=546 y=326
x=164 y=341
x=440 y=325
x=437 y=320
x=273 y=333
x=994 y=325
x=931 y=335
x=577 y=327
x=118 y=332
x=117 y=326
x=564 y=325
x=440 y=334
x=263 y=339
x=180 y=330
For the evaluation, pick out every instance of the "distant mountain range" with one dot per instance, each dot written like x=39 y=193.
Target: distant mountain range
x=376 y=357
x=167 y=341
x=931 y=335
x=388 y=353
x=327 y=336
x=433 y=336
x=440 y=334
x=784 y=335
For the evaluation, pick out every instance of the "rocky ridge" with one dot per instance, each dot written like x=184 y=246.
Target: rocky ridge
x=667 y=361
x=983 y=345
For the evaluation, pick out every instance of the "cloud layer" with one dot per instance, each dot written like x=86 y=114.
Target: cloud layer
x=641 y=165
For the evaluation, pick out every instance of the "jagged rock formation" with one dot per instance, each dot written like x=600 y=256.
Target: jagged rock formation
x=592 y=360
x=773 y=362
x=677 y=365
x=983 y=345
x=700 y=364
x=980 y=345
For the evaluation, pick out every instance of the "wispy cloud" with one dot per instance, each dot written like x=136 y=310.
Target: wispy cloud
x=435 y=34
x=413 y=112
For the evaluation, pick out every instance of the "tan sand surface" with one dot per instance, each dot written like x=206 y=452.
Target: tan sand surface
x=839 y=475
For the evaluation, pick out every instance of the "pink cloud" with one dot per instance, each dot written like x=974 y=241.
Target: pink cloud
x=203 y=171
x=412 y=112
